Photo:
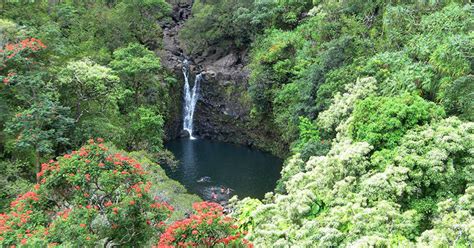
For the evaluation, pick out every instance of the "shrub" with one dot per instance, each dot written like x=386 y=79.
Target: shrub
x=84 y=197
x=456 y=97
x=207 y=227
x=382 y=121
x=13 y=181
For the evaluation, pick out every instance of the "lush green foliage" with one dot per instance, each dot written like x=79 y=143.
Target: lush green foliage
x=374 y=98
x=15 y=179
x=309 y=142
x=394 y=198
x=92 y=90
x=138 y=68
x=297 y=72
x=40 y=123
x=146 y=130
x=87 y=72
x=75 y=70
x=382 y=121
x=373 y=78
x=217 y=25
x=71 y=71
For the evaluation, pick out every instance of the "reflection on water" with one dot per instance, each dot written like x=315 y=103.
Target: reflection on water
x=216 y=171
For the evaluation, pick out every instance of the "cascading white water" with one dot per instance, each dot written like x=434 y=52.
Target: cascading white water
x=190 y=99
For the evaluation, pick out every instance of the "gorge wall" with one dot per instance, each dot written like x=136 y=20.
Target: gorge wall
x=224 y=106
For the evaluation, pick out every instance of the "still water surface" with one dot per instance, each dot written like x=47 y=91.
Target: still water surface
x=210 y=166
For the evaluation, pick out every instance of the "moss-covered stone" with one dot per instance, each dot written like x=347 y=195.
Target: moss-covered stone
x=165 y=188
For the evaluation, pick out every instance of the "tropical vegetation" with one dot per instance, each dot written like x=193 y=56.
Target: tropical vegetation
x=373 y=100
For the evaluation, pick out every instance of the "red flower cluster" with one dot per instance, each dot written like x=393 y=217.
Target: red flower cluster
x=162 y=205
x=64 y=214
x=21 y=210
x=10 y=50
x=6 y=80
x=204 y=208
x=207 y=227
x=108 y=204
x=32 y=44
x=30 y=195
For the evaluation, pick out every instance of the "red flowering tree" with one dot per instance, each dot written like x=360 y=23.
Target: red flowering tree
x=15 y=57
x=207 y=227
x=30 y=44
x=88 y=197
x=39 y=124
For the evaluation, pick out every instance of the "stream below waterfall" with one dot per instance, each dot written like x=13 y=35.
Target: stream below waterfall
x=207 y=166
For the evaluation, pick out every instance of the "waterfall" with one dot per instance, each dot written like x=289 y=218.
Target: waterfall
x=190 y=99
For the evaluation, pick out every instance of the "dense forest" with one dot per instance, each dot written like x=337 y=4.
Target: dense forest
x=372 y=100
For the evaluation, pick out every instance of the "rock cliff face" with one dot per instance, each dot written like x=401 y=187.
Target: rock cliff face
x=171 y=56
x=223 y=109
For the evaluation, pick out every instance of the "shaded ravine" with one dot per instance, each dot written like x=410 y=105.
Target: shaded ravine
x=222 y=111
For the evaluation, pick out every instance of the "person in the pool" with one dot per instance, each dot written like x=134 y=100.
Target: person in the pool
x=205 y=179
x=214 y=195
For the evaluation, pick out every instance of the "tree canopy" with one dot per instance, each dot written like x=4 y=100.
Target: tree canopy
x=373 y=100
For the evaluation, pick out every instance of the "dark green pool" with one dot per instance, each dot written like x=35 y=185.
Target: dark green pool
x=209 y=166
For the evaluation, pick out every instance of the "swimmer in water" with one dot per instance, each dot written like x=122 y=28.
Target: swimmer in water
x=205 y=179
x=228 y=191
x=222 y=190
x=214 y=195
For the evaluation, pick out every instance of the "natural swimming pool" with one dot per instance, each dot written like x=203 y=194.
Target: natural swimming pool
x=207 y=166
